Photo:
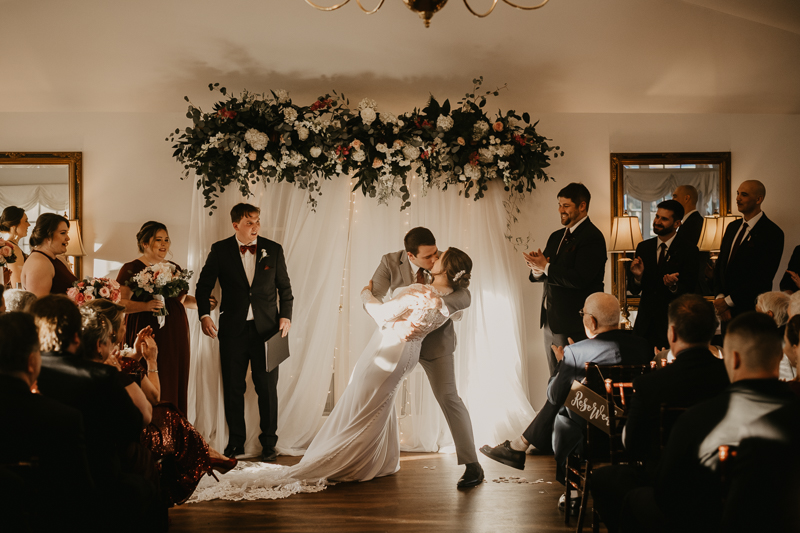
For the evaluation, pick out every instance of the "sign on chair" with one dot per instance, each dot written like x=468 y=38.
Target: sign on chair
x=590 y=406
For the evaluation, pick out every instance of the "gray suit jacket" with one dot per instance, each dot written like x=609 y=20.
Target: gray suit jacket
x=395 y=272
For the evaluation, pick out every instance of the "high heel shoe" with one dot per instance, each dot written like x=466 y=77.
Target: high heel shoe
x=223 y=466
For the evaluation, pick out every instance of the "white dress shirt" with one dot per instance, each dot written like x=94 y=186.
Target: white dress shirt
x=249 y=264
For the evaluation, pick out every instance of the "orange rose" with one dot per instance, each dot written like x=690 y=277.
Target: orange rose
x=498 y=126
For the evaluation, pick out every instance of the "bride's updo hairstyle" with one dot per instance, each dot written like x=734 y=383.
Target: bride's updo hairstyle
x=46 y=226
x=148 y=232
x=12 y=216
x=457 y=266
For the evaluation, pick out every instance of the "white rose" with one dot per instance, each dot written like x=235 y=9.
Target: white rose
x=256 y=139
x=444 y=122
x=282 y=95
x=289 y=115
x=411 y=152
x=485 y=155
x=302 y=134
x=315 y=151
x=368 y=115
x=359 y=155
x=381 y=147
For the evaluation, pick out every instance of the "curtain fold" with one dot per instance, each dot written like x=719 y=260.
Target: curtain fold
x=52 y=196
x=650 y=184
x=331 y=255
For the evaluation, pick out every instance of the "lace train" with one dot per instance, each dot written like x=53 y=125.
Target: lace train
x=254 y=481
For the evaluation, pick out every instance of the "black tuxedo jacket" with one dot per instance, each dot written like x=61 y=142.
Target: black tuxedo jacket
x=575 y=272
x=690 y=230
x=682 y=257
x=270 y=288
x=794 y=265
x=752 y=270
x=694 y=376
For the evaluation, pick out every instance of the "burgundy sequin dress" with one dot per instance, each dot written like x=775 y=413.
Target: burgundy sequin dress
x=172 y=339
x=62 y=278
x=181 y=451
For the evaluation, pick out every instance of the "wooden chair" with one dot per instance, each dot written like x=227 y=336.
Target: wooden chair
x=615 y=382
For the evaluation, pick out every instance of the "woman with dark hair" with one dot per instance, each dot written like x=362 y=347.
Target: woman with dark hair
x=172 y=339
x=43 y=273
x=14 y=226
x=182 y=453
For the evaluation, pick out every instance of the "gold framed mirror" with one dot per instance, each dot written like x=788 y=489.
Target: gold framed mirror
x=41 y=182
x=653 y=177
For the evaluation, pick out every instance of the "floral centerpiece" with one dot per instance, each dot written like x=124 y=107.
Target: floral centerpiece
x=161 y=281
x=88 y=289
x=7 y=255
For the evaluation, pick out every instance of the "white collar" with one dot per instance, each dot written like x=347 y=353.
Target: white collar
x=687 y=215
x=668 y=242
x=752 y=222
x=255 y=241
x=578 y=223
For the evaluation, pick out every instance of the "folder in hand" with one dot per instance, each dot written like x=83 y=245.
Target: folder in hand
x=277 y=350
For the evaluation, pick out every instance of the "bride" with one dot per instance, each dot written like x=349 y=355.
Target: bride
x=360 y=440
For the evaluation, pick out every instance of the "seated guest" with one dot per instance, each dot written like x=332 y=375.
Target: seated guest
x=43 y=272
x=794 y=304
x=606 y=345
x=694 y=376
x=51 y=486
x=790 y=281
x=791 y=349
x=112 y=422
x=687 y=493
x=183 y=453
x=776 y=305
x=17 y=299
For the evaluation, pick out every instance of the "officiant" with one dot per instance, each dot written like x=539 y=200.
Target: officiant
x=256 y=304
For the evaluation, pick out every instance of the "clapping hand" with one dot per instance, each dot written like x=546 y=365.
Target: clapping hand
x=146 y=346
x=637 y=268
x=671 y=280
x=536 y=261
x=795 y=277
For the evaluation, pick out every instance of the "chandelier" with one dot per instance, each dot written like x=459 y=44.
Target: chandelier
x=426 y=8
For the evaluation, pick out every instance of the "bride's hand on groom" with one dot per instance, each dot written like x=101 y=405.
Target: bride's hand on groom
x=209 y=328
x=407 y=330
x=423 y=298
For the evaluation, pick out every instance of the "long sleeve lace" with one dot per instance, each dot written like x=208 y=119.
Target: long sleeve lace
x=397 y=307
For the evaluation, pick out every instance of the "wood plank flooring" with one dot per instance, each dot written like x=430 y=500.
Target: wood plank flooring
x=422 y=496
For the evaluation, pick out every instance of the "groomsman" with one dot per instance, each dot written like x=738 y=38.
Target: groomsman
x=664 y=268
x=256 y=304
x=749 y=256
x=692 y=222
x=571 y=268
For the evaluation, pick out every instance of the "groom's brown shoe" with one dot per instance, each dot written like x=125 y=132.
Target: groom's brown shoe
x=472 y=477
x=502 y=453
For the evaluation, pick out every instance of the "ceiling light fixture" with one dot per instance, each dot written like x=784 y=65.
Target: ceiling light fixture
x=426 y=8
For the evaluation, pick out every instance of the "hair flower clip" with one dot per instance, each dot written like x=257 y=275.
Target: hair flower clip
x=458 y=276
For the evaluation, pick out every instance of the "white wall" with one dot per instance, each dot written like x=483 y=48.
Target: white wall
x=130 y=177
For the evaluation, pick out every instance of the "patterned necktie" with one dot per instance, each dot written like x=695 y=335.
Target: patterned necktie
x=251 y=249
x=738 y=240
x=421 y=276
x=662 y=252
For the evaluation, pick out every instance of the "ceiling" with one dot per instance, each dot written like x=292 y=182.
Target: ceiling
x=592 y=56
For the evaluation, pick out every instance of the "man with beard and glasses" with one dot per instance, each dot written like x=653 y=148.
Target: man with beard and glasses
x=663 y=269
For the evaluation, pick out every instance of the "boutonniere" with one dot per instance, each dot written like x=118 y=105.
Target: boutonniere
x=264 y=255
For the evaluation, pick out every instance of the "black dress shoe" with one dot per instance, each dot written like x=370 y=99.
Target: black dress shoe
x=472 y=477
x=232 y=451
x=268 y=455
x=502 y=453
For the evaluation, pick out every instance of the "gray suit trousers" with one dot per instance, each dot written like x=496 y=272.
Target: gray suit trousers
x=442 y=376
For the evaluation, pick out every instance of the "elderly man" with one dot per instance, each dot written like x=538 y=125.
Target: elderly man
x=749 y=257
x=606 y=344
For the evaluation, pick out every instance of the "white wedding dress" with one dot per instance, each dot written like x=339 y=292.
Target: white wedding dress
x=360 y=440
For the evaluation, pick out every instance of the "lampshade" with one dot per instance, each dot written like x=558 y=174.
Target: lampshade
x=625 y=234
x=714 y=227
x=75 y=246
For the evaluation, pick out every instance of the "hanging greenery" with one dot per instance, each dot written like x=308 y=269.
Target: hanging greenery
x=255 y=137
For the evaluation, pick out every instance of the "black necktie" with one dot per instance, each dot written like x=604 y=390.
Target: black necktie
x=662 y=252
x=251 y=248
x=738 y=240
x=421 y=276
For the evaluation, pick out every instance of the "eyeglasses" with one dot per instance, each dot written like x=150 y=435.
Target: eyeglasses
x=584 y=313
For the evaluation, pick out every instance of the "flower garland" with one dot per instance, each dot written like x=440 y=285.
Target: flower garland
x=252 y=138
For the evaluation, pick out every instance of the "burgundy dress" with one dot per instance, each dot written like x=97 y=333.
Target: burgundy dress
x=62 y=278
x=181 y=452
x=172 y=339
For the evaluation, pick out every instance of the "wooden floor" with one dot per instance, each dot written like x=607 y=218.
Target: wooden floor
x=422 y=496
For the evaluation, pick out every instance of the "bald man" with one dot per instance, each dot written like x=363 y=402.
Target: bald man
x=692 y=222
x=749 y=256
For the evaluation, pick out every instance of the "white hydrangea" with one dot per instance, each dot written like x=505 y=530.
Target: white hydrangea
x=256 y=139
x=445 y=122
x=315 y=151
x=282 y=96
x=485 y=155
x=302 y=133
x=388 y=118
x=479 y=130
x=289 y=115
x=367 y=103
x=506 y=150
x=472 y=171
x=411 y=152
x=368 y=115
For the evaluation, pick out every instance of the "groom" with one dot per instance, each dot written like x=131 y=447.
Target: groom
x=251 y=271
x=403 y=268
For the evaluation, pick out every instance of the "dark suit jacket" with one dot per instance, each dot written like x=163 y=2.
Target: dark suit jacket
x=690 y=231
x=111 y=420
x=270 y=284
x=688 y=487
x=794 y=265
x=694 y=376
x=752 y=270
x=575 y=272
x=682 y=257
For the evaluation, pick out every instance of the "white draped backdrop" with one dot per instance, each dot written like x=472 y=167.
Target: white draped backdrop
x=331 y=255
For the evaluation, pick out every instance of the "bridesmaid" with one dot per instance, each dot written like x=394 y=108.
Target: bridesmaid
x=14 y=225
x=43 y=273
x=173 y=339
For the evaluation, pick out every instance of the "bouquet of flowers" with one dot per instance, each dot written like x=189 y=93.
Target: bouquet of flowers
x=162 y=280
x=88 y=289
x=7 y=255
